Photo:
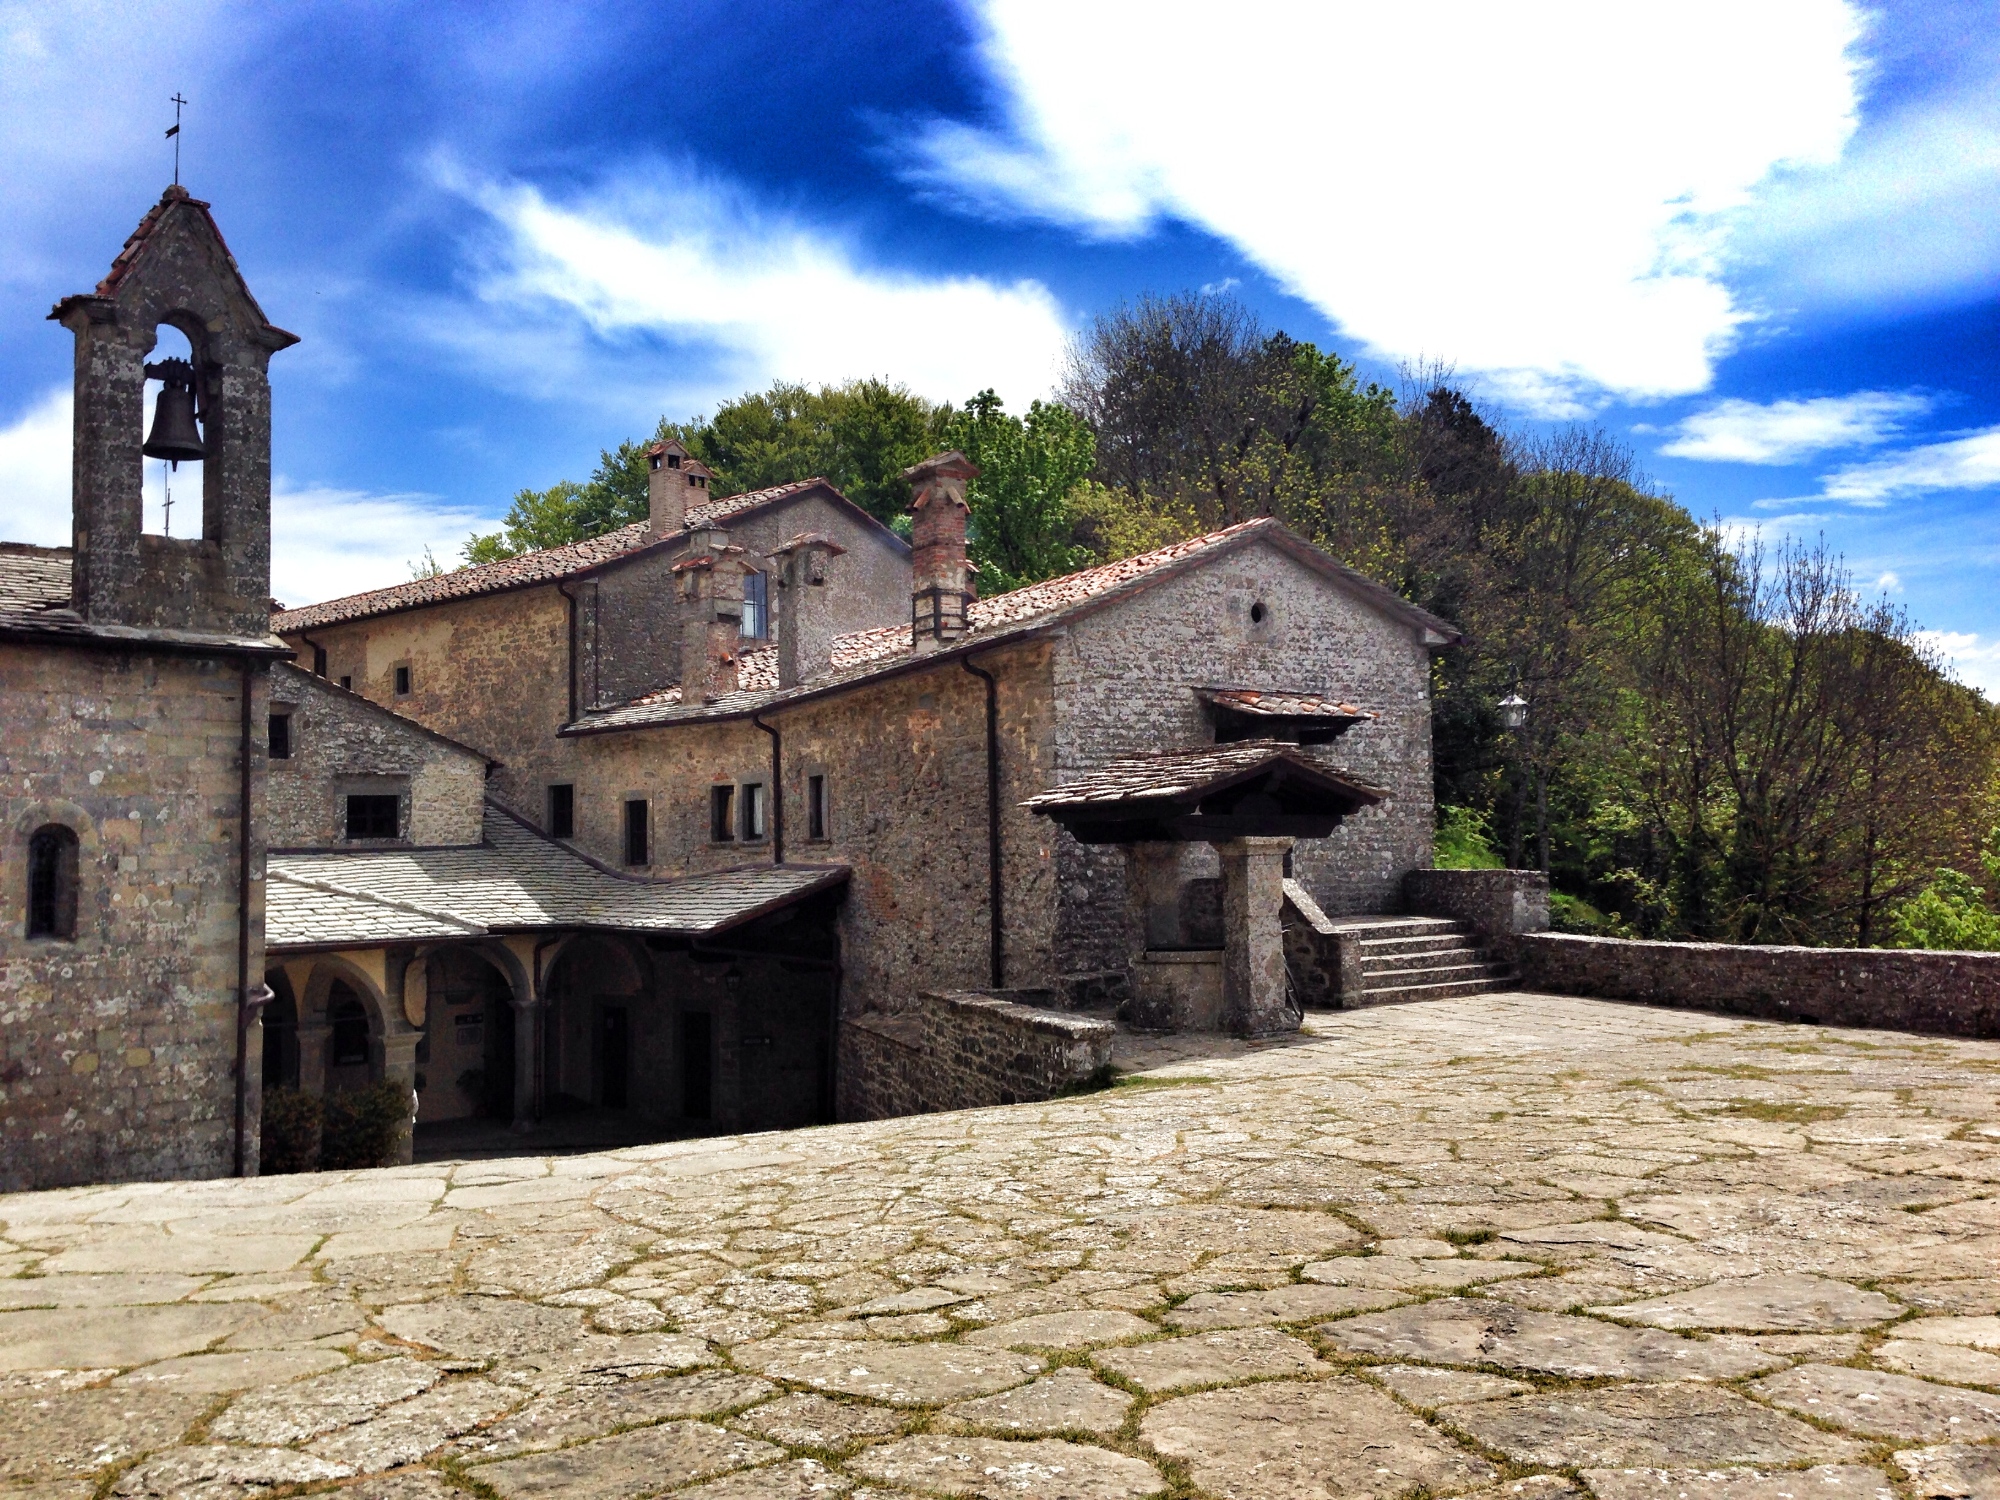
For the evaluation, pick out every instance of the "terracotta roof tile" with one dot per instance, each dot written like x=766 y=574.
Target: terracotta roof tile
x=546 y=566
x=862 y=653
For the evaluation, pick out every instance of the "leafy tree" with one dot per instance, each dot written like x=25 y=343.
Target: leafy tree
x=1021 y=522
x=1951 y=913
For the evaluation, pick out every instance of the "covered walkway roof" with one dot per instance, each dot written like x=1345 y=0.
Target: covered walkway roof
x=515 y=880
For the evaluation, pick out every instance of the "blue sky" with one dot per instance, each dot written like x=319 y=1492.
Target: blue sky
x=1761 y=242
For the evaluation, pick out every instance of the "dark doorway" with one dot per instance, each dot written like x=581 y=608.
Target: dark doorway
x=614 y=1051
x=697 y=1067
x=499 y=1080
x=281 y=1037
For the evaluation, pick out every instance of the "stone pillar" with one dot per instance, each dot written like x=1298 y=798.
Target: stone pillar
x=527 y=1059
x=1153 y=874
x=805 y=627
x=1253 y=967
x=313 y=1036
x=399 y=1065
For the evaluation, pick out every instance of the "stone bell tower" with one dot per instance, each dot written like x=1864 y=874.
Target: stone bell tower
x=174 y=270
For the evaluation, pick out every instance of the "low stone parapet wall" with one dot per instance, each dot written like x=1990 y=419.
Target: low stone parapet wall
x=965 y=1049
x=1500 y=905
x=1947 y=994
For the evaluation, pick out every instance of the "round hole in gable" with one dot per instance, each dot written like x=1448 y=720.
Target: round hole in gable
x=1257 y=613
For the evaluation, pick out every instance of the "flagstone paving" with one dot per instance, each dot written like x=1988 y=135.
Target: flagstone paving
x=1502 y=1246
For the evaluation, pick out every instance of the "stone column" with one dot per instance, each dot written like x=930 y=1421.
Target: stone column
x=313 y=1036
x=1253 y=963
x=399 y=1065
x=527 y=1056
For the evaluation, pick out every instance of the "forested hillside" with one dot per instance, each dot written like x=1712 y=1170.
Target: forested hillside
x=1720 y=742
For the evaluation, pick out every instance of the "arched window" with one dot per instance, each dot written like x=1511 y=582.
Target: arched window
x=349 y=1019
x=52 y=882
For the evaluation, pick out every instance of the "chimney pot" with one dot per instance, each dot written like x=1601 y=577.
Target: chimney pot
x=711 y=586
x=940 y=573
x=805 y=610
x=676 y=482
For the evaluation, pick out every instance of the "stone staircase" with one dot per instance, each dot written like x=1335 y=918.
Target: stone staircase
x=1418 y=958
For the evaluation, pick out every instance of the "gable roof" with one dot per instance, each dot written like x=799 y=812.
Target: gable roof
x=33 y=579
x=548 y=565
x=516 y=879
x=1040 y=606
x=313 y=682
x=35 y=593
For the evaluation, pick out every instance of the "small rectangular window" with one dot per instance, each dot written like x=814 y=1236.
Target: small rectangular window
x=347 y=684
x=815 y=807
x=319 y=661
x=756 y=811
x=636 y=832
x=562 y=811
x=281 y=735
x=402 y=682
x=722 y=814
x=756 y=607
x=373 y=816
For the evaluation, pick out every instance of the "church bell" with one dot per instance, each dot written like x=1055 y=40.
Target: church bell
x=175 y=435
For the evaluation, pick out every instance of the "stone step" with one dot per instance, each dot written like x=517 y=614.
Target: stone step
x=1396 y=963
x=1399 y=993
x=1372 y=929
x=1432 y=974
x=1441 y=942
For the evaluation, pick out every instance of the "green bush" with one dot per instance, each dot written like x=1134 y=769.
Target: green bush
x=1465 y=841
x=1951 y=914
x=364 y=1127
x=290 y=1138
x=1574 y=914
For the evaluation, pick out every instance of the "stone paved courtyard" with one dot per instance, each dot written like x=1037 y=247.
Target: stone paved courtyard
x=1501 y=1246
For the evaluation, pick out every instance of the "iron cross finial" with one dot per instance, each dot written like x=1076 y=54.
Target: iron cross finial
x=174 y=135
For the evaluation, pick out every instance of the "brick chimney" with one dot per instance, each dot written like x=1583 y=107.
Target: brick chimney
x=940 y=574
x=805 y=611
x=676 y=482
x=711 y=587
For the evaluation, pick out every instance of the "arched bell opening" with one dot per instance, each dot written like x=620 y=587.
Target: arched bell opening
x=174 y=438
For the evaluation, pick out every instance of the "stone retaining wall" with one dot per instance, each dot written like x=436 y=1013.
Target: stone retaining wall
x=1950 y=994
x=1500 y=905
x=966 y=1049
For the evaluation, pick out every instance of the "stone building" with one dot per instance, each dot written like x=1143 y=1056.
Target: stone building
x=817 y=699
x=743 y=816
x=133 y=693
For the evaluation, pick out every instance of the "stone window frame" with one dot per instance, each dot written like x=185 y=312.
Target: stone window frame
x=285 y=713
x=760 y=607
x=89 y=862
x=563 y=827
x=627 y=845
x=722 y=813
x=402 y=678
x=372 y=785
x=814 y=772
x=753 y=797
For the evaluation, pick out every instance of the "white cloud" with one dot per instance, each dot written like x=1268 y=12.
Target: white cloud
x=1905 y=215
x=764 y=296
x=34 y=473
x=1889 y=583
x=326 y=542
x=1782 y=432
x=1739 y=532
x=1967 y=463
x=1534 y=192
x=1974 y=659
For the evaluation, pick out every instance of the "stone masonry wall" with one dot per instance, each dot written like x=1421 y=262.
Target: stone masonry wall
x=1949 y=994
x=1124 y=682
x=341 y=742
x=491 y=672
x=968 y=1050
x=120 y=1047
x=905 y=766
